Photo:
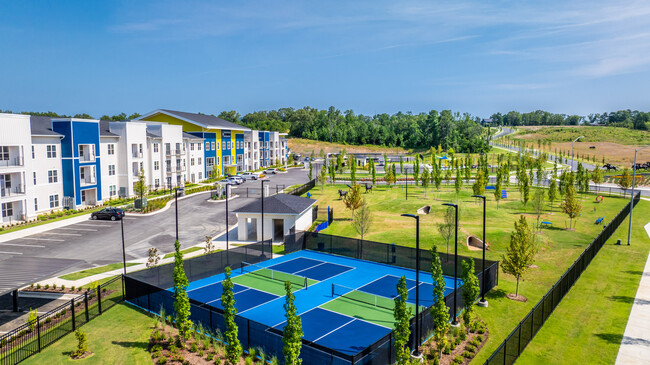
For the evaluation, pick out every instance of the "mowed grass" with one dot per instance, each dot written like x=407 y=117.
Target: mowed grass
x=119 y=336
x=588 y=325
x=95 y=270
x=558 y=247
x=619 y=135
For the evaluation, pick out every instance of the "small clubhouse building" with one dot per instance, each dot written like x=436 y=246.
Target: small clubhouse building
x=283 y=213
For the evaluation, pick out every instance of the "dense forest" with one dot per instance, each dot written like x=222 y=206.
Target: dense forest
x=623 y=118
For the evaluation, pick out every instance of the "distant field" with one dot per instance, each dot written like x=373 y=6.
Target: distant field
x=615 y=144
x=306 y=146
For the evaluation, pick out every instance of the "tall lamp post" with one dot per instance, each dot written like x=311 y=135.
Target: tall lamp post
x=406 y=182
x=454 y=322
x=483 y=302
x=417 y=337
x=262 y=185
x=574 y=141
x=123 y=248
x=227 y=225
x=629 y=228
x=176 y=208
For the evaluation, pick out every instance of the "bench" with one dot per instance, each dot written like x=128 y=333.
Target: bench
x=600 y=220
x=547 y=224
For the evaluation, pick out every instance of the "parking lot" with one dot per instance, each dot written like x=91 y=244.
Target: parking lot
x=99 y=242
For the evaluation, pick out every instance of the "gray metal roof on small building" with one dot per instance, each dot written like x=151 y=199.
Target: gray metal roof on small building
x=42 y=126
x=191 y=136
x=105 y=130
x=152 y=135
x=203 y=120
x=278 y=204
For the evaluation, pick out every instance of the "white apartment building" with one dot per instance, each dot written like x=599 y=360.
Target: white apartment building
x=194 y=157
x=110 y=152
x=131 y=152
x=46 y=168
x=165 y=143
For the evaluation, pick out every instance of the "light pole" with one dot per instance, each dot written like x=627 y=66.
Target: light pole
x=227 y=225
x=123 y=248
x=407 y=183
x=629 y=228
x=454 y=322
x=176 y=208
x=483 y=302
x=572 y=160
x=262 y=185
x=417 y=337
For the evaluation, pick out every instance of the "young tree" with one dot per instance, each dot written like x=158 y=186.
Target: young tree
x=290 y=160
x=385 y=161
x=339 y=162
x=353 y=200
x=440 y=312
x=572 y=205
x=497 y=192
x=625 y=181
x=479 y=185
x=389 y=177
x=332 y=173
x=470 y=290
x=416 y=170
x=402 y=315
x=458 y=183
x=552 y=192
x=322 y=177
x=520 y=254
x=401 y=165
x=353 y=170
x=394 y=172
x=362 y=219
x=311 y=168
x=141 y=187
x=446 y=228
x=538 y=204
x=233 y=347
x=374 y=175
x=82 y=344
x=181 y=300
x=292 y=331
x=525 y=191
x=425 y=179
x=437 y=176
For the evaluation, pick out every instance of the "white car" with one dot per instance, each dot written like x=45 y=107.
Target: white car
x=271 y=171
x=249 y=175
x=238 y=179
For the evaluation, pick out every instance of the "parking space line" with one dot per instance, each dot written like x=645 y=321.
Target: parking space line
x=79 y=229
x=128 y=218
x=20 y=245
x=65 y=234
x=11 y=253
x=41 y=239
x=85 y=225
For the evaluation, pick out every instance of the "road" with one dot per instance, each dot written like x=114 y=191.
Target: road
x=99 y=242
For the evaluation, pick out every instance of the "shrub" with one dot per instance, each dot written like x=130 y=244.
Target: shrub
x=82 y=343
x=470 y=348
x=466 y=354
x=72 y=288
x=38 y=286
x=193 y=347
x=31 y=285
x=249 y=361
x=103 y=290
x=162 y=360
x=446 y=350
x=47 y=286
x=174 y=349
x=62 y=287
x=156 y=348
x=48 y=320
x=458 y=359
x=31 y=318
x=210 y=357
x=64 y=311
x=201 y=353
x=479 y=338
x=58 y=315
x=252 y=352
x=463 y=334
x=53 y=286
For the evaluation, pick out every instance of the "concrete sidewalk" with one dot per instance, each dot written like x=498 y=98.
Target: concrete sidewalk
x=635 y=345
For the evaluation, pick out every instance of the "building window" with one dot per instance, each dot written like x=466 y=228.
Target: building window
x=7 y=209
x=156 y=165
x=111 y=149
x=112 y=190
x=34 y=177
x=198 y=160
x=53 y=176
x=155 y=147
x=200 y=175
x=209 y=161
x=140 y=148
x=111 y=170
x=191 y=146
x=226 y=160
x=191 y=162
x=36 y=204
x=33 y=153
x=198 y=145
x=54 y=201
x=213 y=147
x=4 y=153
x=51 y=151
x=157 y=183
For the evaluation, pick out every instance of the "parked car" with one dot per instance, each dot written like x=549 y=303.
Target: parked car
x=249 y=175
x=271 y=171
x=238 y=179
x=228 y=181
x=108 y=213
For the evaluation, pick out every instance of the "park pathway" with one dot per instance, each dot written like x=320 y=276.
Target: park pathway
x=635 y=345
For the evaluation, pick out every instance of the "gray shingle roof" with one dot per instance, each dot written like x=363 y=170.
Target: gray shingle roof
x=206 y=120
x=152 y=135
x=190 y=136
x=42 y=126
x=104 y=129
x=278 y=204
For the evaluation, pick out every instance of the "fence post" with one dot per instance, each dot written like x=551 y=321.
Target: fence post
x=99 y=298
x=86 y=306
x=38 y=332
x=72 y=313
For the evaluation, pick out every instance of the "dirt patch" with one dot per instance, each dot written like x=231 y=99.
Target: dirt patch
x=85 y=355
x=468 y=347
x=519 y=298
x=306 y=146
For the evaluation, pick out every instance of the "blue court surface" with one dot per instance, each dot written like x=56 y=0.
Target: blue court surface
x=337 y=331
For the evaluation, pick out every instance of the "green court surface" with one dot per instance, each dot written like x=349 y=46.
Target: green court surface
x=354 y=305
x=272 y=281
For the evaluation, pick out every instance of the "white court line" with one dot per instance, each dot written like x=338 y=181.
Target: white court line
x=78 y=229
x=216 y=300
x=11 y=253
x=341 y=314
x=309 y=268
x=336 y=329
x=41 y=239
x=65 y=234
x=268 y=301
x=20 y=245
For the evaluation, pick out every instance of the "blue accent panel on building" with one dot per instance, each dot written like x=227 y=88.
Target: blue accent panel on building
x=64 y=128
x=239 y=142
x=209 y=138
x=67 y=177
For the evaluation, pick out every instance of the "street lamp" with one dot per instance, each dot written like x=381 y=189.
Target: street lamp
x=262 y=185
x=572 y=149
x=454 y=322
x=417 y=337
x=629 y=229
x=176 y=208
x=407 y=183
x=227 y=225
x=482 y=302
x=123 y=248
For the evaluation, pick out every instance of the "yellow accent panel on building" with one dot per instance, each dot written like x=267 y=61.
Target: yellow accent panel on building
x=187 y=127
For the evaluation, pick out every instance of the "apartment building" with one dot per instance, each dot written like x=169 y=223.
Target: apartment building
x=46 y=169
x=111 y=154
x=194 y=157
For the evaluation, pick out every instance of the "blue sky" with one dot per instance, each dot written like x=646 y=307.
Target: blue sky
x=105 y=57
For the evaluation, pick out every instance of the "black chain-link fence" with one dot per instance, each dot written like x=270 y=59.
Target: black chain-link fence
x=30 y=338
x=519 y=338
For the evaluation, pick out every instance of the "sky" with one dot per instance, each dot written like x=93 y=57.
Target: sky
x=480 y=57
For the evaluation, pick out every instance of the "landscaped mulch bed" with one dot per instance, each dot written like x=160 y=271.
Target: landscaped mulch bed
x=464 y=350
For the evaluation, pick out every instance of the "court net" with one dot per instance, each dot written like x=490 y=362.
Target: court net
x=379 y=301
x=247 y=268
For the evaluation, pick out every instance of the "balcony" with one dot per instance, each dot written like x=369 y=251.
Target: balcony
x=12 y=191
x=88 y=181
x=12 y=162
x=88 y=158
x=136 y=154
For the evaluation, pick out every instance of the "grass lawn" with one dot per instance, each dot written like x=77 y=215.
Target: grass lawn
x=119 y=336
x=589 y=323
x=185 y=251
x=558 y=247
x=38 y=223
x=95 y=270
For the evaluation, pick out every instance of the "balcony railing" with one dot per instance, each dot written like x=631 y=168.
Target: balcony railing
x=137 y=154
x=14 y=190
x=88 y=158
x=12 y=162
x=88 y=181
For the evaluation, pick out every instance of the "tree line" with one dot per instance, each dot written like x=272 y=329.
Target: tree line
x=632 y=119
x=115 y=118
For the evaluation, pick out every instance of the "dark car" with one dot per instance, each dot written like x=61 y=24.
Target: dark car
x=108 y=213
